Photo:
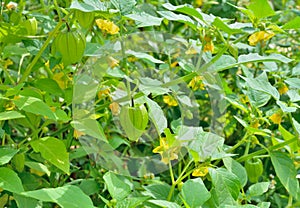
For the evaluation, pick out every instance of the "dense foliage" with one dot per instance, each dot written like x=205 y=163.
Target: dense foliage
x=130 y=103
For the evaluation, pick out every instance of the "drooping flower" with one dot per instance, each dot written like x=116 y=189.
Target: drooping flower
x=208 y=44
x=200 y=171
x=260 y=37
x=170 y=101
x=282 y=88
x=166 y=152
x=107 y=26
x=276 y=118
x=197 y=83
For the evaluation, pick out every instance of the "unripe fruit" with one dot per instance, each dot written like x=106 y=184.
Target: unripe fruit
x=31 y=26
x=134 y=121
x=254 y=168
x=85 y=19
x=70 y=45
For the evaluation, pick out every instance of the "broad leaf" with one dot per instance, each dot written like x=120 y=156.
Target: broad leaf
x=286 y=172
x=10 y=181
x=258 y=189
x=157 y=191
x=117 y=188
x=293 y=24
x=35 y=106
x=7 y=115
x=125 y=7
x=67 y=196
x=53 y=150
x=48 y=85
x=26 y=202
x=261 y=8
x=88 y=5
x=184 y=9
x=237 y=169
x=226 y=184
x=131 y=202
x=164 y=204
x=156 y=115
x=178 y=17
x=6 y=154
x=144 y=19
x=194 y=192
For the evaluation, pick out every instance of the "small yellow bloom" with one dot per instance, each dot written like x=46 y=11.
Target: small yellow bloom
x=174 y=64
x=191 y=51
x=170 y=100
x=209 y=46
x=282 y=88
x=276 y=118
x=107 y=26
x=200 y=171
x=259 y=37
x=61 y=79
x=9 y=106
x=112 y=62
x=198 y=3
x=115 y=108
x=103 y=93
x=197 y=83
x=77 y=133
x=11 y=5
x=7 y=63
x=166 y=152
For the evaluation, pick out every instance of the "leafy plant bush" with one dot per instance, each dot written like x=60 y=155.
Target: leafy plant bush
x=149 y=104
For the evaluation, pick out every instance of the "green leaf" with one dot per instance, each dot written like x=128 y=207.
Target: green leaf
x=67 y=196
x=237 y=169
x=25 y=202
x=285 y=108
x=153 y=86
x=10 y=181
x=6 y=154
x=293 y=82
x=48 y=85
x=256 y=98
x=144 y=19
x=144 y=56
x=88 y=5
x=194 y=192
x=131 y=202
x=13 y=50
x=262 y=84
x=7 y=115
x=90 y=127
x=288 y=136
x=125 y=7
x=38 y=166
x=117 y=188
x=156 y=115
x=261 y=8
x=248 y=58
x=184 y=9
x=296 y=125
x=178 y=17
x=207 y=145
x=226 y=184
x=258 y=189
x=35 y=106
x=292 y=24
x=53 y=150
x=164 y=204
x=157 y=191
x=89 y=186
x=223 y=26
x=286 y=172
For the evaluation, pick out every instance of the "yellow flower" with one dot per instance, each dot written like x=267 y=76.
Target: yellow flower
x=170 y=100
x=11 y=5
x=259 y=37
x=198 y=3
x=61 y=79
x=7 y=63
x=166 y=152
x=282 y=88
x=112 y=62
x=77 y=133
x=276 y=118
x=114 y=107
x=196 y=83
x=200 y=171
x=209 y=46
x=107 y=26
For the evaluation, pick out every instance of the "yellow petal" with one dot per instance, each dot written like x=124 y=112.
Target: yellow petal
x=260 y=36
x=276 y=118
x=169 y=100
x=200 y=172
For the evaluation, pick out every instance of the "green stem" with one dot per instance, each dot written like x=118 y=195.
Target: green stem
x=39 y=54
x=263 y=151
